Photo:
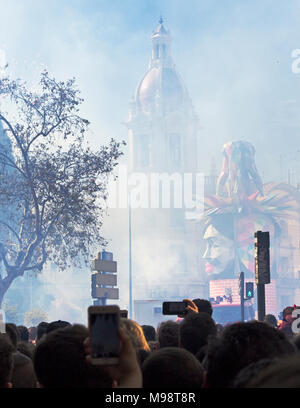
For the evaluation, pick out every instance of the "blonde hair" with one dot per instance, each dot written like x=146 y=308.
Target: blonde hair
x=136 y=334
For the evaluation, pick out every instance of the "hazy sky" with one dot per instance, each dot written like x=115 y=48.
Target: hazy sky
x=233 y=55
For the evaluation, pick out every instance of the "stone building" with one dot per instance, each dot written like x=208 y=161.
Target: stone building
x=163 y=132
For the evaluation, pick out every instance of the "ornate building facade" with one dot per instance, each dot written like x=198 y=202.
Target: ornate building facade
x=163 y=130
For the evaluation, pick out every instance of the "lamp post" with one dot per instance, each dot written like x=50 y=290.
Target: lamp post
x=130 y=259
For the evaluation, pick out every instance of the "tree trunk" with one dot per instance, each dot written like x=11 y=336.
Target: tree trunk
x=5 y=285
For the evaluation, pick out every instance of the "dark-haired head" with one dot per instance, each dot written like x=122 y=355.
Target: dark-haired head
x=58 y=324
x=240 y=345
x=168 y=334
x=172 y=367
x=204 y=306
x=195 y=330
x=60 y=361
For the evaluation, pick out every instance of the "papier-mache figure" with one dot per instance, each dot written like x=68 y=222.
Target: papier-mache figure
x=241 y=206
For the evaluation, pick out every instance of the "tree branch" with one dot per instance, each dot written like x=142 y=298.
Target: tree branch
x=12 y=230
x=40 y=264
x=8 y=267
x=11 y=163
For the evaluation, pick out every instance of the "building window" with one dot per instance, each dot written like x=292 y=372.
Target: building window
x=164 y=50
x=156 y=52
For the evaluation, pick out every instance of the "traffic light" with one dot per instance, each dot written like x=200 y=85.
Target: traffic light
x=241 y=284
x=262 y=257
x=249 y=290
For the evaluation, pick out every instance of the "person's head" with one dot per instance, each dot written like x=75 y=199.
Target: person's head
x=240 y=345
x=195 y=330
x=287 y=313
x=41 y=330
x=26 y=348
x=58 y=324
x=24 y=333
x=149 y=332
x=168 y=334
x=154 y=345
x=204 y=306
x=245 y=376
x=6 y=361
x=172 y=367
x=136 y=334
x=12 y=333
x=271 y=320
x=282 y=373
x=23 y=375
x=32 y=334
x=60 y=361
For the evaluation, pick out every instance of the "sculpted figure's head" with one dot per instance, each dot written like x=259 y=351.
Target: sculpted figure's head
x=241 y=206
x=229 y=237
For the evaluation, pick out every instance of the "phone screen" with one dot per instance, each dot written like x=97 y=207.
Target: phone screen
x=174 y=308
x=105 y=341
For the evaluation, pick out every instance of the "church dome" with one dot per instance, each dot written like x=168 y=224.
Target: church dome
x=161 y=85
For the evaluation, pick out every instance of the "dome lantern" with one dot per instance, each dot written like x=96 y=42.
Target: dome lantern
x=161 y=44
x=161 y=88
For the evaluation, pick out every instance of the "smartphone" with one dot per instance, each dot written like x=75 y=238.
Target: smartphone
x=174 y=308
x=104 y=334
x=124 y=313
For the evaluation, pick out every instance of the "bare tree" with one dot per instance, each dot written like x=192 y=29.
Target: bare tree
x=52 y=186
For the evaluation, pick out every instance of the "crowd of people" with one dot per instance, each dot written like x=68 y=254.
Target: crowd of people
x=192 y=352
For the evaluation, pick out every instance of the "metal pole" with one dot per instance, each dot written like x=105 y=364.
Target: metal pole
x=242 y=295
x=31 y=292
x=261 y=301
x=130 y=266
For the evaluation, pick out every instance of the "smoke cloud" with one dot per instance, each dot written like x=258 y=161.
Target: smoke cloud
x=235 y=59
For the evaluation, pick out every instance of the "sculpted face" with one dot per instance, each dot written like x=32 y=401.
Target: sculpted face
x=219 y=251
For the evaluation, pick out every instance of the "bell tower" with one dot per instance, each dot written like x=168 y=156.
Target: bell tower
x=162 y=123
x=162 y=132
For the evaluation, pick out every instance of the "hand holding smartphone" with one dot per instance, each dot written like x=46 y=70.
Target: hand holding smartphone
x=174 y=308
x=181 y=309
x=104 y=334
x=111 y=345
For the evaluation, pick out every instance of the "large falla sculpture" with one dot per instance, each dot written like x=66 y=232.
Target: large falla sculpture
x=241 y=206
